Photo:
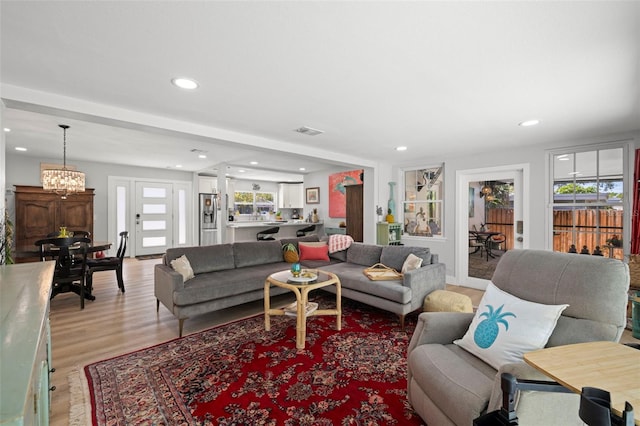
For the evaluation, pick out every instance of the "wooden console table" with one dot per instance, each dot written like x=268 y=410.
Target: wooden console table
x=25 y=345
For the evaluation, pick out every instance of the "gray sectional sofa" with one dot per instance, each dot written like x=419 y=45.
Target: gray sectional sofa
x=231 y=274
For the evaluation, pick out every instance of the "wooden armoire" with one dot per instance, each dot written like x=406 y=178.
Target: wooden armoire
x=355 y=202
x=39 y=212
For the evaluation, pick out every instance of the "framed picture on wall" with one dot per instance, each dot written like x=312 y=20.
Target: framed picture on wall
x=313 y=195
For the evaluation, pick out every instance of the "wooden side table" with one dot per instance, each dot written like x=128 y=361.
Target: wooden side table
x=301 y=290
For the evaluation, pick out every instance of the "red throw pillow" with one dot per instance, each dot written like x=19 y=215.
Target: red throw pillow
x=308 y=252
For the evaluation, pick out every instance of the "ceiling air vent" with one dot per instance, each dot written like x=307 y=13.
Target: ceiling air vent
x=309 y=131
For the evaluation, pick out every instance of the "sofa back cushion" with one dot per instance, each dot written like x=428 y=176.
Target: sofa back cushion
x=295 y=241
x=257 y=253
x=204 y=259
x=364 y=254
x=594 y=287
x=394 y=256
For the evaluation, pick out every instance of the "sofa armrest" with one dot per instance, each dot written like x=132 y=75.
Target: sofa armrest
x=165 y=282
x=440 y=327
x=536 y=407
x=423 y=281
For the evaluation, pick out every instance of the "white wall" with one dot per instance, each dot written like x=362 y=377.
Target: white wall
x=24 y=170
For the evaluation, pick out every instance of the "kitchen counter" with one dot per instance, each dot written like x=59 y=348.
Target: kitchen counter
x=246 y=231
x=269 y=224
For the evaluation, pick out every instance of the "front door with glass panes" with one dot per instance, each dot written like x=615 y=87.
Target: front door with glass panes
x=588 y=205
x=154 y=225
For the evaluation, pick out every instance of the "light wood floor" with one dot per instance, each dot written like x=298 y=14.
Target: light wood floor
x=117 y=323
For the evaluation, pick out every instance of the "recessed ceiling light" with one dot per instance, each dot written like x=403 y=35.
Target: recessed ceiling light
x=185 y=83
x=6 y=129
x=253 y=163
x=241 y=170
x=202 y=156
x=529 y=123
x=178 y=166
x=19 y=148
x=401 y=148
x=302 y=169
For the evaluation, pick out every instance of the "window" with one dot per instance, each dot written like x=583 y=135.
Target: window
x=250 y=203
x=588 y=209
x=423 y=203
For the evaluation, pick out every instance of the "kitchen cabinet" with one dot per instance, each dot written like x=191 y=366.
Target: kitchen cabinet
x=39 y=212
x=25 y=345
x=207 y=184
x=388 y=234
x=355 y=222
x=290 y=196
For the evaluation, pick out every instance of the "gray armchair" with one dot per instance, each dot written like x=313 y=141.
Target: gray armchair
x=449 y=386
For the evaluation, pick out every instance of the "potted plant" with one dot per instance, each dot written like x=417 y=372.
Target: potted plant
x=6 y=240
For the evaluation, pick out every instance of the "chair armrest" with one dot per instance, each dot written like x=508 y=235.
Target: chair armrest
x=440 y=327
x=165 y=282
x=536 y=407
x=423 y=281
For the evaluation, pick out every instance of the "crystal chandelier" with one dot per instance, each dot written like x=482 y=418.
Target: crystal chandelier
x=63 y=181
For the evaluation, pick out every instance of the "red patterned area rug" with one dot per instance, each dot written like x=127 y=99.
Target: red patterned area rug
x=239 y=374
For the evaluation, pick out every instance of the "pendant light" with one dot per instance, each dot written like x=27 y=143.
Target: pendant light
x=63 y=181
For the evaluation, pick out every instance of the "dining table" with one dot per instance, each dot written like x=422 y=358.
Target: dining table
x=486 y=237
x=32 y=254
x=33 y=251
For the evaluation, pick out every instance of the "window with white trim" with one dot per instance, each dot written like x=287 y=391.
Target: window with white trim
x=253 y=203
x=587 y=200
x=423 y=201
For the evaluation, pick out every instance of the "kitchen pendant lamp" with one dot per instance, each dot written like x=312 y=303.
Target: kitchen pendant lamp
x=63 y=181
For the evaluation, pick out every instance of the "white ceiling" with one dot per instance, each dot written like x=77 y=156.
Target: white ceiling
x=442 y=78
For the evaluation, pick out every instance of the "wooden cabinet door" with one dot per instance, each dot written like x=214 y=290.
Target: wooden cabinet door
x=35 y=218
x=75 y=214
x=354 y=218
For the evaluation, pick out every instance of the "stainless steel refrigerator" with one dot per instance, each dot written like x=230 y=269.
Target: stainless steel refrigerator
x=208 y=218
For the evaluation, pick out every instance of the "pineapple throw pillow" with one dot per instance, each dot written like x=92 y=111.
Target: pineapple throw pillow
x=506 y=327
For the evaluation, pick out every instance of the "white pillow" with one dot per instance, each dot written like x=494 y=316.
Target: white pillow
x=517 y=327
x=183 y=267
x=411 y=262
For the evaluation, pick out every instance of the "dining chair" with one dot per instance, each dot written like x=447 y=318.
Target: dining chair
x=494 y=242
x=477 y=242
x=113 y=263
x=70 y=255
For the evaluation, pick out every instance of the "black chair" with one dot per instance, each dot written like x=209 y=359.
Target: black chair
x=477 y=242
x=70 y=255
x=267 y=234
x=109 y=263
x=302 y=232
x=495 y=242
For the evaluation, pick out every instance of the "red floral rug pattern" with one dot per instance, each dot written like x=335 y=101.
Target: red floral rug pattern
x=240 y=374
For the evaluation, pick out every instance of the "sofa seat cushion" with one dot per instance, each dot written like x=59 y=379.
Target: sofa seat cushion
x=221 y=284
x=318 y=264
x=351 y=277
x=204 y=259
x=458 y=383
